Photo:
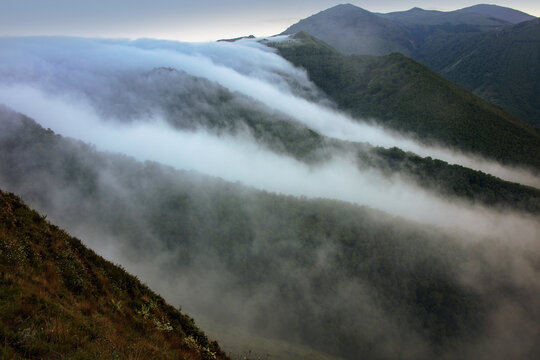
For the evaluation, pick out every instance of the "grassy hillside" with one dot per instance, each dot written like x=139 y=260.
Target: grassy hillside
x=58 y=299
x=342 y=279
x=499 y=66
x=404 y=95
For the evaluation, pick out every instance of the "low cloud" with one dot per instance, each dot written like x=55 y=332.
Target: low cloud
x=240 y=158
x=95 y=71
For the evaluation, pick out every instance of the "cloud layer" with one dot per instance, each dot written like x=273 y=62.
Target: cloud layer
x=95 y=72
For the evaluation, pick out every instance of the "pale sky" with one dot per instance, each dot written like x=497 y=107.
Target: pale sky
x=202 y=20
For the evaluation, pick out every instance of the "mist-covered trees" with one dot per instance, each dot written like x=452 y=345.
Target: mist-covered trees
x=341 y=278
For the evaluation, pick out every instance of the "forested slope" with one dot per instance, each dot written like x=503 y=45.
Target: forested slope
x=342 y=279
x=499 y=66
x=406 y=96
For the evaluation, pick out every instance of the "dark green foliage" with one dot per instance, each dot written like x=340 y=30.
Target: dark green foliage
x=499 y=66
x=406 y=96
x=452 y=180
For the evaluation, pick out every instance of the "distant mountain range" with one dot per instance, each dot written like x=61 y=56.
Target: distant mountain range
x=485 y=48
x=353 y=30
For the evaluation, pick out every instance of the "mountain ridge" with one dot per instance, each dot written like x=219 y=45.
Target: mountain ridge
x=388 y=89
x=500 y=12
x=436 y=39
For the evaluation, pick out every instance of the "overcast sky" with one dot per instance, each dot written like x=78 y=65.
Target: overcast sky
x=184 y=20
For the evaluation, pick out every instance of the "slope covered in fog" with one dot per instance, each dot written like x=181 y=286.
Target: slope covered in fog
x=337 y=277
x=57 y=296
x=404 y=95
x=242 y=90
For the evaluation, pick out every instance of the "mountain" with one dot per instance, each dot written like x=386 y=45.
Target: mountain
x=339 y=278
x=498 y=12
x=353 y=30
x=58 y=297
x=404 y=95
x=476 y=47
x=499 y=66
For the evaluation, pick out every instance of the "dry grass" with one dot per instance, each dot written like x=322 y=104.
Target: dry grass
x=58 y=299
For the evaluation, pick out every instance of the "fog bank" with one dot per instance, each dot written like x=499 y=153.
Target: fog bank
x=95 y=71
x=241 y=159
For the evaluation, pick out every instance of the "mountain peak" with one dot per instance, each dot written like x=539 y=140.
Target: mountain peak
x=351 y=29
x=343 y=9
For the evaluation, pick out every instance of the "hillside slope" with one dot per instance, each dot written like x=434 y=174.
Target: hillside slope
x=58 y=299
x=406 y=96
x=499 y=66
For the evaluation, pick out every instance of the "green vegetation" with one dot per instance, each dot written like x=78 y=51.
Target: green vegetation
x=452 y=180
x=342 y=279
x=499 y=66
x=58 y=299
x=404 y=95
x=191 y=103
